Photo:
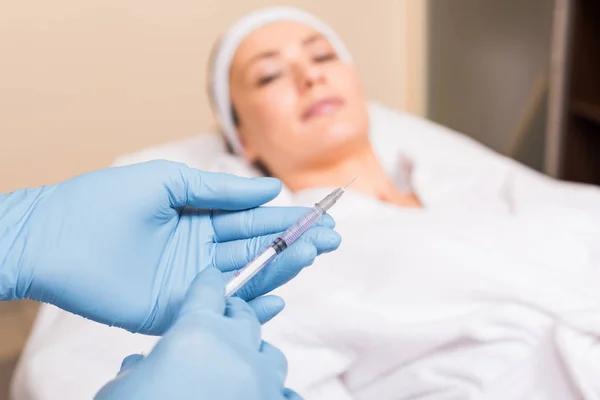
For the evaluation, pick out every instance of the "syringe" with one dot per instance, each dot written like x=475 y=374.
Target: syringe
x=284 y=241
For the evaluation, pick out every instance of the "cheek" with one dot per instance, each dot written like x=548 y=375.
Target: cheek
x=270 y=122
x=346 y=79
x=272 y=108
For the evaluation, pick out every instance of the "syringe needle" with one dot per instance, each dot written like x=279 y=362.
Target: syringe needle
x=350 y=183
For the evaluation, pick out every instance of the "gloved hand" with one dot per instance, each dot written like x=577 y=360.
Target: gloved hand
x=212 y=352
x=121 y=246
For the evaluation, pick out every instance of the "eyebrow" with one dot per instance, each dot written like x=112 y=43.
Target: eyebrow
x=274 y=53
x=312 y=38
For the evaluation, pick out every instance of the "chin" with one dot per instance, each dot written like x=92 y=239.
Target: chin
x=343 y=131
x=339 y=141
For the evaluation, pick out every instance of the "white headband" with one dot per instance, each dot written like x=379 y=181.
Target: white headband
x=221 y=61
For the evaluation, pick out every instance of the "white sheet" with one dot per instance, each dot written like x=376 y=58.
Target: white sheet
x=491 y=292
x=420 y=304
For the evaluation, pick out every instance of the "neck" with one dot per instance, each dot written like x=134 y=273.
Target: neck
x=372 y=179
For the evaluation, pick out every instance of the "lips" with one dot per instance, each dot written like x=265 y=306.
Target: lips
x=321 y=107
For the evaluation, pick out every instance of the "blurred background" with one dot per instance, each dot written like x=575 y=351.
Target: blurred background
x=82 y=82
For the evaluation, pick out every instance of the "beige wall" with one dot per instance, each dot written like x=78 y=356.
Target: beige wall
x=84 y=81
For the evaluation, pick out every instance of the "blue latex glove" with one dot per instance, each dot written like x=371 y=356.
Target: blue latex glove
x=121 y=247
x=212 y=352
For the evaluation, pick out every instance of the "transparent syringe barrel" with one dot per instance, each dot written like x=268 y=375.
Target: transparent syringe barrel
x=302 y=225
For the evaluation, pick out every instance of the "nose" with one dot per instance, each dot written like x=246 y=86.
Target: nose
x=309 y=75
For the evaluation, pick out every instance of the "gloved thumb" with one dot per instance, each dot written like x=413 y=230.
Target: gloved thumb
x=130 y=362
x=201 y=189
x=205 y=295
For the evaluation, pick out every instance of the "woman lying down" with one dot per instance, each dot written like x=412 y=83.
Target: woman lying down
x=420 y=302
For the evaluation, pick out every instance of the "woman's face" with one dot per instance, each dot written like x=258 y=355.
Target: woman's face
x=298 y=105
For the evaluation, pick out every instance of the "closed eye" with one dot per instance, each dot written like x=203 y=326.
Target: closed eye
x=265 y=80
x=325 y=57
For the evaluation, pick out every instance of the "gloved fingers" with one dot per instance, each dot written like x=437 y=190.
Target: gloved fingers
x=234 y=255
x=291 y=395
x=276 y=359
x=130 y=362
x=218 y=190
x=247 y=325
x=259 y=221
x=283 y=268
x=205 y=295
x=266 y=307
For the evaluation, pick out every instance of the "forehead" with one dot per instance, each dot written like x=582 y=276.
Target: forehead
x=272 y=37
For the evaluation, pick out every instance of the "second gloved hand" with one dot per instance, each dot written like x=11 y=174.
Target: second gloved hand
x=122 y=245
x=212 y=352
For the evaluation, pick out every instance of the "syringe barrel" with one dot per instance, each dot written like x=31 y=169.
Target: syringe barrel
x=302 y=225
x=250 y=270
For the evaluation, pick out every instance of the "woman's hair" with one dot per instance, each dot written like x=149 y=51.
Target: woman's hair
x=234 y=116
